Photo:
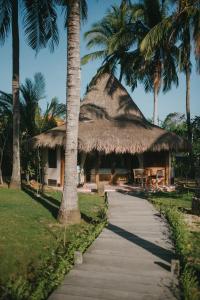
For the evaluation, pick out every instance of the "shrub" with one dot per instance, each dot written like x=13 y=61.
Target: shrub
x=182 y=240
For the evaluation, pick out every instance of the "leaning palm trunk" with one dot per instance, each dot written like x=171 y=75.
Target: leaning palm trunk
x=69 y=210
x=16 y=176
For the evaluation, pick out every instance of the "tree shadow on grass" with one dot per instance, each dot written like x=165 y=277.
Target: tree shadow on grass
x=51 y=203
x=48 y=202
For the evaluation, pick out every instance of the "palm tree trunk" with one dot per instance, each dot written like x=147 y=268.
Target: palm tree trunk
x=1 y=177
x=155 y=106
x=16 y=176
x=121 y=75
x=69 y=211
x=1 y=159
x=189 y=131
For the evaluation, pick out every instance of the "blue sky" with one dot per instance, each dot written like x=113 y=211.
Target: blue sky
x=53 y=66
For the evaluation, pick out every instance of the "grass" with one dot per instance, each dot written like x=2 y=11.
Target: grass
x=181 y=200
x=29 y=231
x=186 y=235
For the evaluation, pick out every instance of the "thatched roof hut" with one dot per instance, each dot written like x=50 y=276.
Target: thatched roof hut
x=111 y=122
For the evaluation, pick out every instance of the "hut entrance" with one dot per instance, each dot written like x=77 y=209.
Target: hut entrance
x=116 y=168
x=112 y=168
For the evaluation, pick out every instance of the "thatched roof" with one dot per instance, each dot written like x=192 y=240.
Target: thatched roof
x=111 y=122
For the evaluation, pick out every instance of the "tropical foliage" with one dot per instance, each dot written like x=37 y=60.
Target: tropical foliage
x=34 y=120
x=120 y=33
x=40 y=28
x=181 y=28
x=145 y=41
x=177 y=123
x=103 y=34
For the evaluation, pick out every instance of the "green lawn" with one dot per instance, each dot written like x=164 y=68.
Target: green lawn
x=182 y=200
x=29 y=230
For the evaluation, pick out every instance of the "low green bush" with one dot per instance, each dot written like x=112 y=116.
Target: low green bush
x=182 y=240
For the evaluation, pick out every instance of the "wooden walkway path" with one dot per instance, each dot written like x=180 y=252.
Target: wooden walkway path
x=129 y=260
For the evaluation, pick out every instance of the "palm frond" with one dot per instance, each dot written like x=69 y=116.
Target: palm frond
x=84 y=9
x=93 y=56
x=156 y=36
x=5 y=102
x=40 y=24
x=5 y=19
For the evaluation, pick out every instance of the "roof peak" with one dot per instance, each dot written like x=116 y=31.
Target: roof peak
x=107 y=98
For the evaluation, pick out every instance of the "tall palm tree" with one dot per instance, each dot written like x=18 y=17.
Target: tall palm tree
x=160 y=69
x=16 y=174
x=69 y=210
x=105 y=34
x=40 y=30
x=120 y=34
x=181 y=28
x=33 y=120
x=5 y=125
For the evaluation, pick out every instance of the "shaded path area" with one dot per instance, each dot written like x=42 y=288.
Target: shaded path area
x=129 y=260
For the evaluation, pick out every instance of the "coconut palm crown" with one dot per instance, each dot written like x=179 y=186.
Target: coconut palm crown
x=181 y=29
x=120 y=34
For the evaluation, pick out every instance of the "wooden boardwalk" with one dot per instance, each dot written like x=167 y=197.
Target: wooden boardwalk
x=129 y=260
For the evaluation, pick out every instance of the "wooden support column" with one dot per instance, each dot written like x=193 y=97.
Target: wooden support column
x=45 y=166
x=98 y=161
x=168 y=169
x=141 y=160
x=112 y=176
x=82 y=163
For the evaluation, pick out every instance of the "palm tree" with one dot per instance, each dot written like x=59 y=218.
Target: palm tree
x=182 y=29
x=120 y=34
x=40 y=29
x=5 y=125
x=105 y=34
x=33 y=120
x=69 y=210
x=160 y=69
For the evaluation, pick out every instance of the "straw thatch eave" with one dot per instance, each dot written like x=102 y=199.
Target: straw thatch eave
x=111 y=122
x=114 y=136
